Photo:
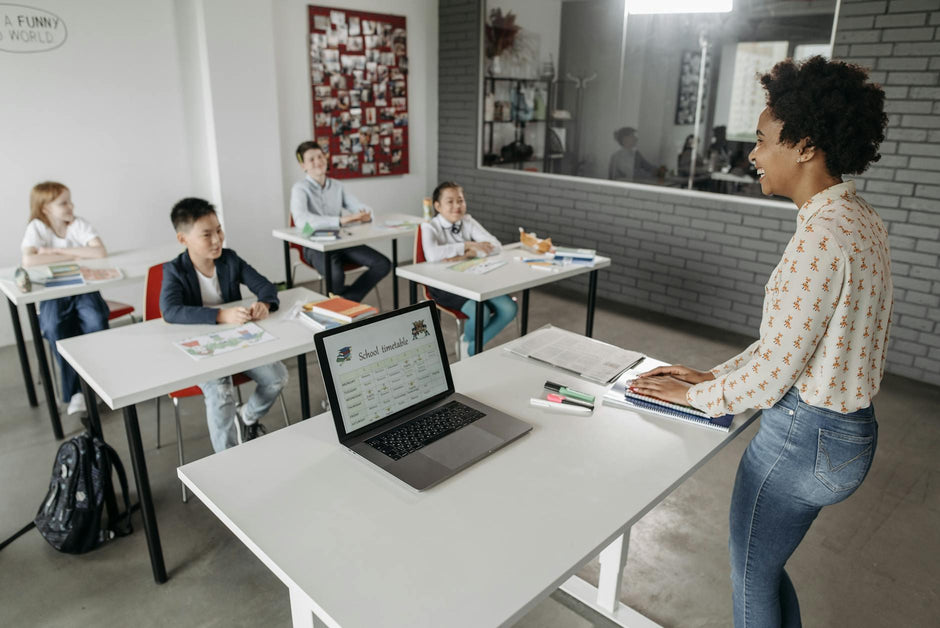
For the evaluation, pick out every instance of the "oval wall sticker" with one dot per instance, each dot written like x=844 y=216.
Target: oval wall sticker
x=29 y=29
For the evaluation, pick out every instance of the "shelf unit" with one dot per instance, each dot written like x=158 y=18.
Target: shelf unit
x=489 y=126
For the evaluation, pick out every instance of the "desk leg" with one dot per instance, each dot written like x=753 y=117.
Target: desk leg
x=139 y=464
x=592 y=297
x=21 y=350
x=478 y=329
x=525 y=313
x=91 y=402
x=287 y=278
x=44 y=372
x=394 y=276
x=328 y=277
x=412 y=292
x=304 y=386
x=301 y=611
x=605 y=597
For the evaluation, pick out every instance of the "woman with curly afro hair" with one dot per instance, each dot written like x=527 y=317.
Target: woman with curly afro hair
x=823 y=335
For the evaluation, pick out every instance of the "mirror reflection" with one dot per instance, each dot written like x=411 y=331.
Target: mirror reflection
x=600 y=89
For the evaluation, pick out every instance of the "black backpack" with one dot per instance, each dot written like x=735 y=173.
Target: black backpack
x=70 y=517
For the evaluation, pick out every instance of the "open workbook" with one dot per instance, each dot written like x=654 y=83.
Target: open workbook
x=620 y=395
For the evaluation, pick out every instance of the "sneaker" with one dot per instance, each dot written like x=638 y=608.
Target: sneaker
x=254 y=430
x=77 y=404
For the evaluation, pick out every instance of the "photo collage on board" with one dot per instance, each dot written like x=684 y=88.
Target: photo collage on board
x=358 y=72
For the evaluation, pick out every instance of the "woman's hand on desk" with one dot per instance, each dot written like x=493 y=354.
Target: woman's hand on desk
x=680 y=372
x=662 y=387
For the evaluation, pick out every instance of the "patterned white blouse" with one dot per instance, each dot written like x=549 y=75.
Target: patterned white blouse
x=827 y=310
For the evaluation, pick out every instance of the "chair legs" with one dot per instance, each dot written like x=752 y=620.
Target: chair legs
x=54 y=376
x=158 y=421
x=179 y=441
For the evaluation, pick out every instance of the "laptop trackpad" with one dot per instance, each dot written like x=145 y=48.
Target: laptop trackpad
x=461 y=447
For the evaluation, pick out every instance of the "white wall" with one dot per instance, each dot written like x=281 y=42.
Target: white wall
x=385 y=194
x=148 y=102
x=103 y=114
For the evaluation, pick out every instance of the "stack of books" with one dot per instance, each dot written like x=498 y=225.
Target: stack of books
x=63 y=275
x=568 y=255
x=320 y=234
x=322 y=315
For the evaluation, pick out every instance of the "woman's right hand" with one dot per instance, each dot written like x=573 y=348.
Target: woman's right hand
x=685 y=373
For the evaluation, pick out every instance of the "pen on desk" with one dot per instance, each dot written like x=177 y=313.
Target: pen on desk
x=552 y=397
x=559 y=407
x=635 y=363
x=568 y=392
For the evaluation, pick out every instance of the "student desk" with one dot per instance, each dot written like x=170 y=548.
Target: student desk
x=130 y=364
x=515 y=275
x=134 y=265
x=350 y=235
x=356 y=548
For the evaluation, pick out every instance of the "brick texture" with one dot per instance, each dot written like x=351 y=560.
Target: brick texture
x=706 y=258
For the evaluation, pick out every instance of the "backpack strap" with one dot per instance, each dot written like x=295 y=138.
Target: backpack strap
x=29 y=526
x=119 y=523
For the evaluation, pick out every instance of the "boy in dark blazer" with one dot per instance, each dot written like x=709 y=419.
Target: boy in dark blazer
x=200 y=279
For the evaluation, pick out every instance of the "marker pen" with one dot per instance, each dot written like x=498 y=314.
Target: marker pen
x=571 y=402
x=554 y=406
x=567 y=392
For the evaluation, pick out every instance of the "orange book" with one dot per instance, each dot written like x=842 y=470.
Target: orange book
x=343 y=309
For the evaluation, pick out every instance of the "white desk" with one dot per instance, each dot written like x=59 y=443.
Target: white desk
x=130 y=364
x=515 y=275
x=356 y=549
x=134 y=265
x=351 y=235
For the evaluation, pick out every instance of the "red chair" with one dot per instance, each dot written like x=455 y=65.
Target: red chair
x=347 y=268
x=152 y=285
x=459 y=317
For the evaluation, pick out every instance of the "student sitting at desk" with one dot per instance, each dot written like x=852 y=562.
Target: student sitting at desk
x=823 y=337
x=324 y=202
x=453 y=235
x=194 y=284
x=56 y=234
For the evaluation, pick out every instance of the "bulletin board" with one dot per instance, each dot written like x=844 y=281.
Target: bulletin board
x=687 y=98
x=359 y=86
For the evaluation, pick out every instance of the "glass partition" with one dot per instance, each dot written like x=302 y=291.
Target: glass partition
x=587 y=88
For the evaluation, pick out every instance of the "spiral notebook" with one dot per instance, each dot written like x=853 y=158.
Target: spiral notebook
x=620 y=396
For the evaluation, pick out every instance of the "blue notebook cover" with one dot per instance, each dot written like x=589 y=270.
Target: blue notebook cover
x=620 y=396
x=64 y=281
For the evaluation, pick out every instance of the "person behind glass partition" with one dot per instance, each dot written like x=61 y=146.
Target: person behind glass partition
x=627 y=163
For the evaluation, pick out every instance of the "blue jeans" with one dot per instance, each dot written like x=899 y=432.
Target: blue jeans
x=68 y=317
x=270 y=379
x=497 y=313
x=378 y=265
x=803 y=458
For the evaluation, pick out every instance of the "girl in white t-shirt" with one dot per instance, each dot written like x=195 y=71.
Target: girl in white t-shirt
x=454 y=235
x=55 y=234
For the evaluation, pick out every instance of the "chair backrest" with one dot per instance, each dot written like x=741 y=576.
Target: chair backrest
x=418 y=253
x=152 y=287
x=294 y=245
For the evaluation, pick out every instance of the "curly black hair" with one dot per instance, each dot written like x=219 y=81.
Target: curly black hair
x=833 y=106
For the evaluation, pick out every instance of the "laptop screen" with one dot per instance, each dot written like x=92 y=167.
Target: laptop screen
x=384 y=365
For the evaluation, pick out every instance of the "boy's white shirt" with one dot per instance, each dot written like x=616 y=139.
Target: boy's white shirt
x=441 y=243
x=38 y=234
x=209 y=288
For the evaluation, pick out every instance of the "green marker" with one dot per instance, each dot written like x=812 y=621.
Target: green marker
x=563 y=390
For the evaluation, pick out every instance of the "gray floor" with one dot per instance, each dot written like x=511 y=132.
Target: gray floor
x=870 y=561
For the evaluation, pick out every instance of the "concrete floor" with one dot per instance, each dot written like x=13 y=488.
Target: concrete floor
x=869 y=561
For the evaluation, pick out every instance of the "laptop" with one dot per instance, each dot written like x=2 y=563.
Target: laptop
x=393 y=399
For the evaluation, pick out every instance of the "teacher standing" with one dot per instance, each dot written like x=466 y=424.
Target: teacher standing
x=823 y=335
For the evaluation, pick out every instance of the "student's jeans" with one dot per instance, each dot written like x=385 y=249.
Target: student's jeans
x=497 y=313
x=803 y=458
x=378 y=265
x=68 y=317
x=270 y=379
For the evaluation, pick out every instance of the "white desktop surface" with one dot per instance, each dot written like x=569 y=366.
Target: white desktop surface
x=352 y=235
x=129 y=364
x=513 y=276
x=133 y=263
x=480 y=549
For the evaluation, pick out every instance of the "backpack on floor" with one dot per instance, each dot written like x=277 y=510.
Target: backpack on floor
x=70 y=517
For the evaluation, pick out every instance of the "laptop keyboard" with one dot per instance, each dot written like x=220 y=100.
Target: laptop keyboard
x=417 y=433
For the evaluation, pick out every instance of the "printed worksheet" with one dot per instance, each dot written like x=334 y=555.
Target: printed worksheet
x=223 y=341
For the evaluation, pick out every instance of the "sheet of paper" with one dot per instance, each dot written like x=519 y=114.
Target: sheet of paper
x=589 y=358
x=223 y=341
x=478 y=266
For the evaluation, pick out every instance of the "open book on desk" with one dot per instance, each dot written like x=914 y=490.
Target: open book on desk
x=585 y=357
x=621 y=396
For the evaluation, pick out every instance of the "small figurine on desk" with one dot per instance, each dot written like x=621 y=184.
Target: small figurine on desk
x=21 y=278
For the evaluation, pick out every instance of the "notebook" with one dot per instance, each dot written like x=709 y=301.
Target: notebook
x=620 y=396
x=394 y=403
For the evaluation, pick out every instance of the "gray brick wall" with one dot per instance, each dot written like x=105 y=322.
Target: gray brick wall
x=706 y=258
